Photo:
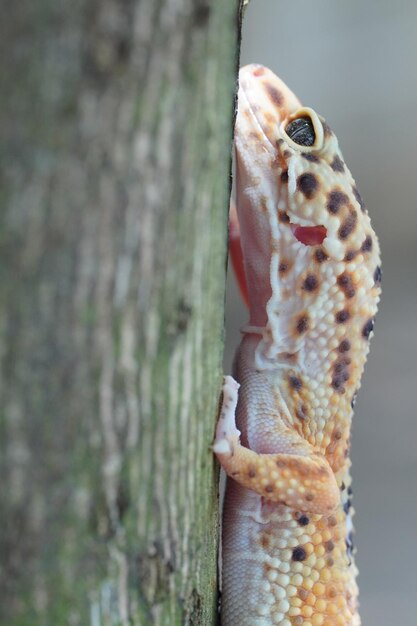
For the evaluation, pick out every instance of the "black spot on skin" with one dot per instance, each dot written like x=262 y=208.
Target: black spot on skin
x=284 y=177
x=338 y=384
x=341 y=364
x=329 y=546
x=350 y=492
x=320 y=255
x=275 y=95
x=358 y=198
x=269 y=488
x=346 y=284
x=342 y=316
x=310 y=283
x=353 y=401
x=344 y=346
x=367 y=244
x=303 y=520
x=378 y=275
x=283 y=267
x=348 y=226
x=313 y=158
x=302 y=324
x=335 y=200
x=340 y=369
x=251 y=472
x=347 y=505
x=368 y=328
x=295 y=382
x=307 y=183
x=337 y=164
x=299 y=554
x=283 y=217
x=350 y=255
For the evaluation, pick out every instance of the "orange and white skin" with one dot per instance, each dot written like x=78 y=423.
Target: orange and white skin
x=312 y=275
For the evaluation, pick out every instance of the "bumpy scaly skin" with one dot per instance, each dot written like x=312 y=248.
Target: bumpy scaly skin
x=287 y=530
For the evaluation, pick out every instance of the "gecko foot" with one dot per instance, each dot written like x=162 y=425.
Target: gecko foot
x=227 y=435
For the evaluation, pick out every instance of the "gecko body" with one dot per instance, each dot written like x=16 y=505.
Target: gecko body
x=312 y=275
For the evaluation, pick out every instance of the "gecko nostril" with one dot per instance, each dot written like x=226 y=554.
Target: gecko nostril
x=301 y=131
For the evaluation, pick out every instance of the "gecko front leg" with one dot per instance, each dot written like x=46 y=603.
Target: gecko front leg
x=295 y=475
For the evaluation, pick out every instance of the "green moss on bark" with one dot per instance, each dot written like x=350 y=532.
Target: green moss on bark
x=116 y=140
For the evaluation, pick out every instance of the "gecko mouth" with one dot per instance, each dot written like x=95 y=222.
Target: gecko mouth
x=309 y=235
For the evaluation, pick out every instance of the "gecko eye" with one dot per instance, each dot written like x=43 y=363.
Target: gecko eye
x=301 y=131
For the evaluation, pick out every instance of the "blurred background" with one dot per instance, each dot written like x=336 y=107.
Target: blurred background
x=356 y=64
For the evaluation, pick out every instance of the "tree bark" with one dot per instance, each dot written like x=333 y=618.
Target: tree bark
x=116 y=129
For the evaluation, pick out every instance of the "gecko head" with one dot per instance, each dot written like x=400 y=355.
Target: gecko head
x=292 y=169
x=309 y=248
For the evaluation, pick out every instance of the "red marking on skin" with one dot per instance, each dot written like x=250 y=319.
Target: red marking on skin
x=309 y=235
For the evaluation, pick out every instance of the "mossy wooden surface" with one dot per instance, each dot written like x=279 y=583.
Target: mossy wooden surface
x=116 y=127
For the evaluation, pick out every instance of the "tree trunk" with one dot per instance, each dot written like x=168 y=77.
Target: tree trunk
x=116 y=135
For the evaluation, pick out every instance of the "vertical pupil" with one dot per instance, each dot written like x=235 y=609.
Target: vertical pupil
x=301 y=131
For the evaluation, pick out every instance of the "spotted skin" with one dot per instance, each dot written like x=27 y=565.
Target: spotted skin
x=312 y=274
